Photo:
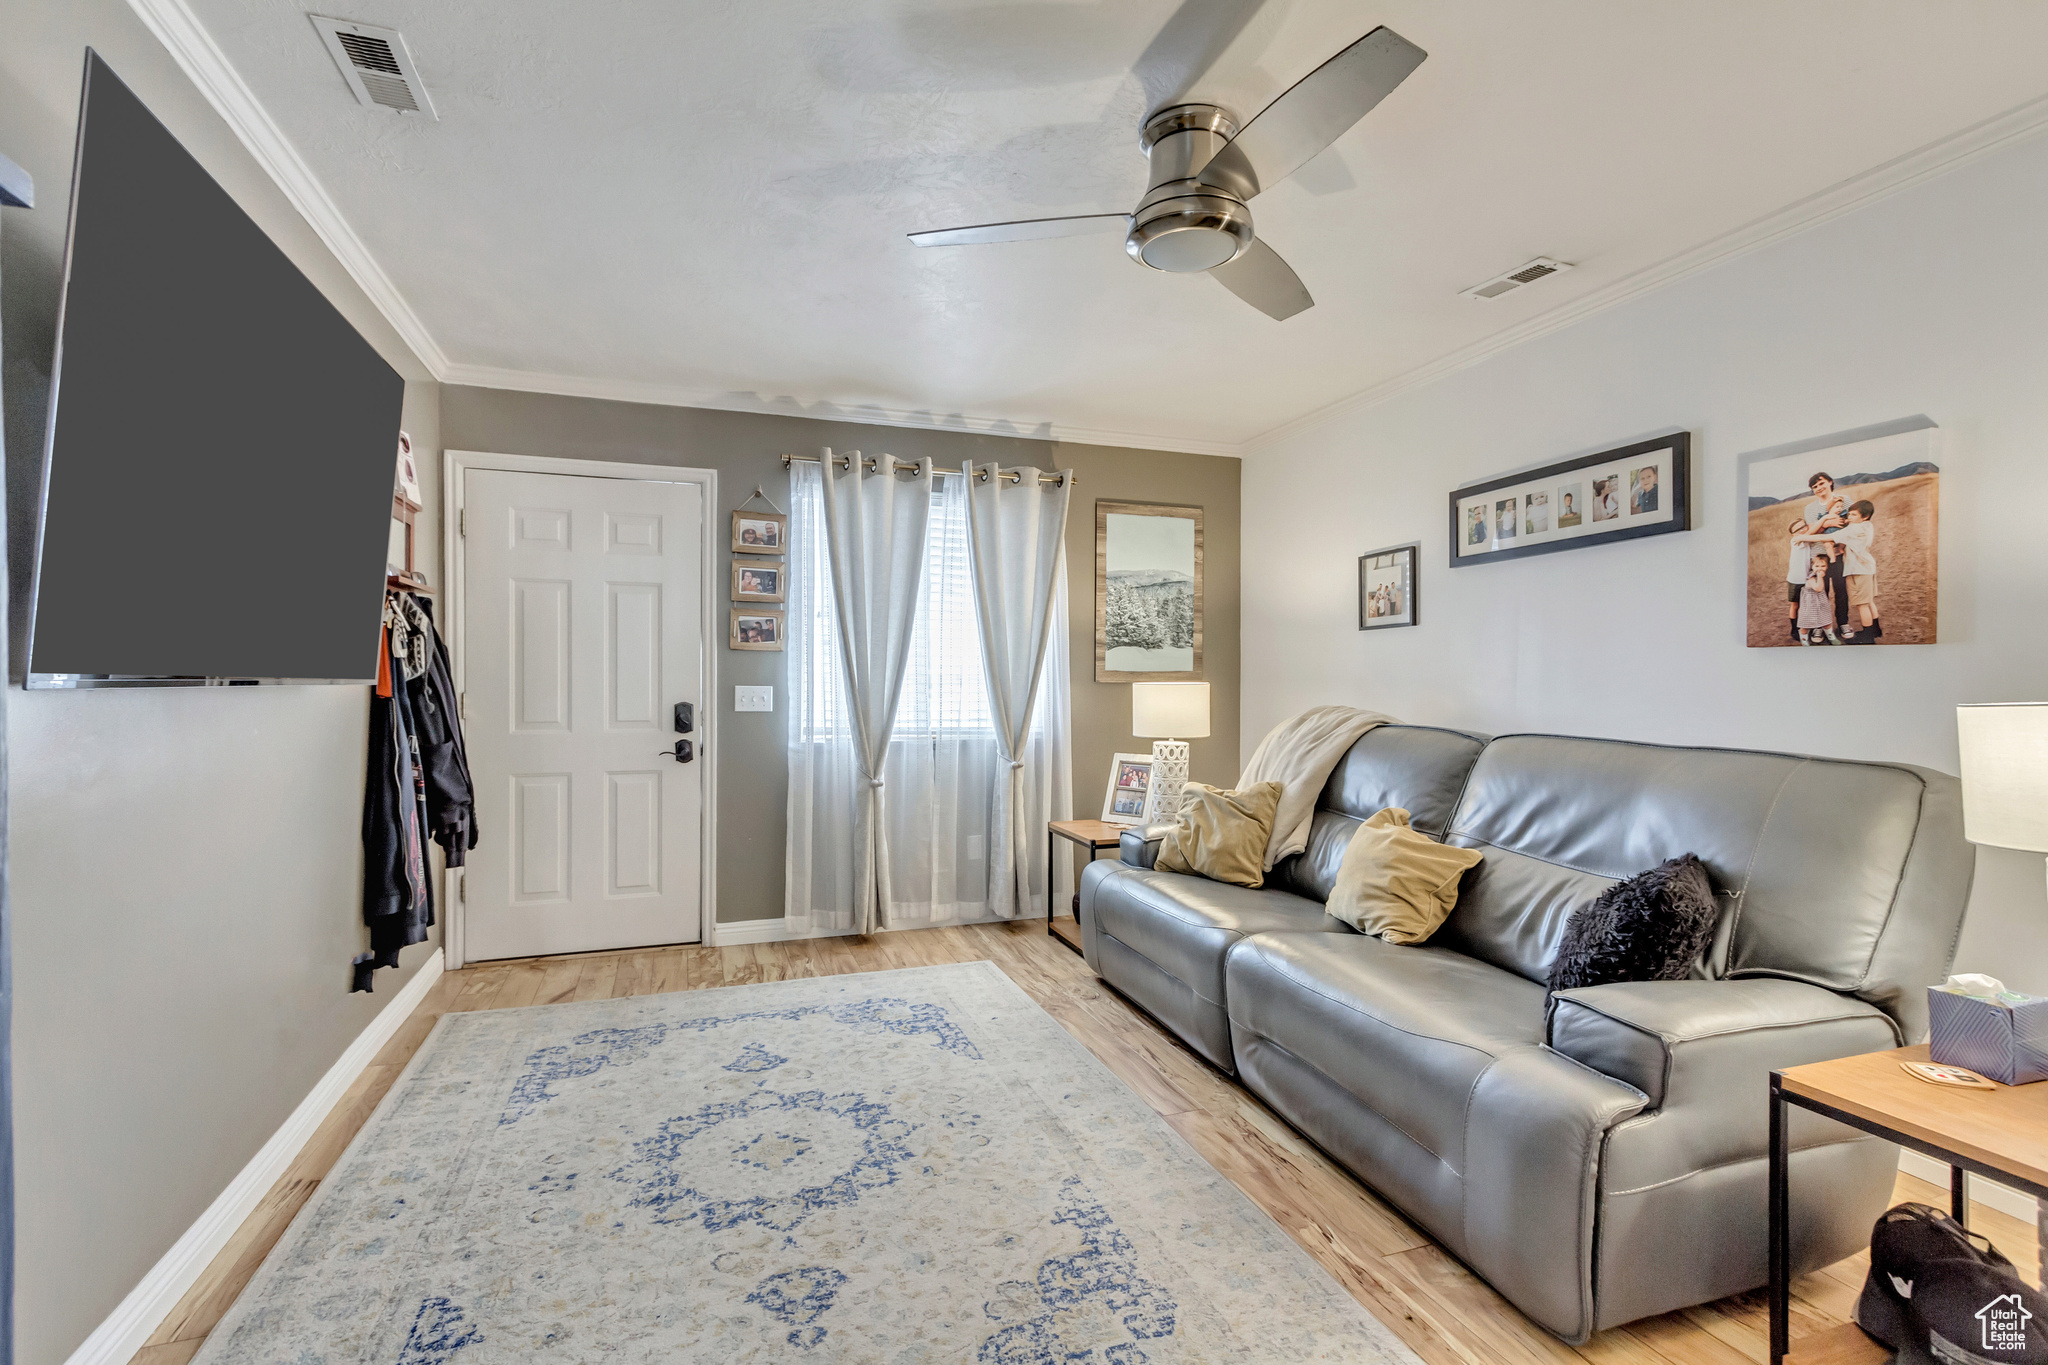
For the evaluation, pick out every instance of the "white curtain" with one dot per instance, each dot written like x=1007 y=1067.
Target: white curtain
x=943 y=761
x=875 y=527
x=1016 y=528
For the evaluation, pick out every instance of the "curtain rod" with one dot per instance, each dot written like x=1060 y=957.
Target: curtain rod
x=846 y=462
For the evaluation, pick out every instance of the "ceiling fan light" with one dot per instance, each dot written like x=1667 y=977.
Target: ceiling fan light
x=1190 y=234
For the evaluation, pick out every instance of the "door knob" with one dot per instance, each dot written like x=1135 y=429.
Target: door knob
x=682 y=753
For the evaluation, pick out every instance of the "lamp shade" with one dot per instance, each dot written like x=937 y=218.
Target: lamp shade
x=2005 y=775
x=1170 y=710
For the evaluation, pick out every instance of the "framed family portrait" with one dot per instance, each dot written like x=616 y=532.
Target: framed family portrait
x=760 y=533
x=1148 y=592
x=1386 y=587
x=1128 y=799
x=1637 y=490
x=757 y=580
x=1843 y=537
x=756 y=629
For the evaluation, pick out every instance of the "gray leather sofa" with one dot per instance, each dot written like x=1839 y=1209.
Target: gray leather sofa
x=1600 y=1157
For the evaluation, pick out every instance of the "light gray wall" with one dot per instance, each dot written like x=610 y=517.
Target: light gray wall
x=1934 y=301
x=746 y=449
x=186 y=862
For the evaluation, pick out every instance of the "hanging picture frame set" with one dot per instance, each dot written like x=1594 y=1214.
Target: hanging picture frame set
x=1638 y=490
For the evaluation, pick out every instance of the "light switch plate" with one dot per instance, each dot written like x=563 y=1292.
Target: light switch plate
x=753 y=699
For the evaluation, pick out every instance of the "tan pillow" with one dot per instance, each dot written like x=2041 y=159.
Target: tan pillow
x=1396 y=881
x=1222 y=835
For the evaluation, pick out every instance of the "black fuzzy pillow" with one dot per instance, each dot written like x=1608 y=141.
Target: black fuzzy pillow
x=1648 y=928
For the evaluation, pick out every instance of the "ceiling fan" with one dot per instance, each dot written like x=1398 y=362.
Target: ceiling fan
x=1205 y=168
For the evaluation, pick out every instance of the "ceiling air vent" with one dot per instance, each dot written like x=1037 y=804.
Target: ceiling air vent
x=376 y=65
x=1540 y=268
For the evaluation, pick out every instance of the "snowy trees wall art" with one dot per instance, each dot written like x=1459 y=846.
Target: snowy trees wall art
x=1148 y=592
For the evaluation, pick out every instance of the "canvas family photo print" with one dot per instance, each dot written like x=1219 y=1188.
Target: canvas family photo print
x=1843 y=542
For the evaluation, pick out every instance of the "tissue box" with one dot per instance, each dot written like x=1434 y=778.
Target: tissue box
x=2006 y=1043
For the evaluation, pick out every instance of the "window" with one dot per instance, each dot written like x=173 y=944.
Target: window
x=944 y=758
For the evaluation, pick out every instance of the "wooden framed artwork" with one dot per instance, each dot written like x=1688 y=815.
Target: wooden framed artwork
x=759 y=580
x=1387 y=587
x=755 y=628
x=1148 y=592
x=1637 y=490
x=1128 y=798
x=760 y=533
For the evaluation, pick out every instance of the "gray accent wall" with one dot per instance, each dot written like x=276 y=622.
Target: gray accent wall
x=186 y=861
x=747 y=449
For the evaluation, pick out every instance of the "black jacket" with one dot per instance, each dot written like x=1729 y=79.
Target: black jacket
x=417 y=787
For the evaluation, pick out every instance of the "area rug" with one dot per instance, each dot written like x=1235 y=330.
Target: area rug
x=893 y=1167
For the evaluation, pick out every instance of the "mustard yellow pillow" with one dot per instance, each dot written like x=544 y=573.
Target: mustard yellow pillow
x=1222 y=835
x=1396 y=881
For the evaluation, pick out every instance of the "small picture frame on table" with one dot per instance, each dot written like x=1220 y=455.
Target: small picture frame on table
x=758 y=580
x=759 y=533
x=753 y=628
x=1128 y=798
x=1386 y=588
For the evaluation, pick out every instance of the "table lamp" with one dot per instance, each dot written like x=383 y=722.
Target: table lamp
x=1169 y=714
x=2005 y=774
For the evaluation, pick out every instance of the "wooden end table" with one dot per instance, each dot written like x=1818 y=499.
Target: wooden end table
x=2001 y=1134
x=1093 y=835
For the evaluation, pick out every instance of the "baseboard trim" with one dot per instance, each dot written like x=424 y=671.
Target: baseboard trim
x=776 y=930
x=116 y=1340
x=1986 y=1192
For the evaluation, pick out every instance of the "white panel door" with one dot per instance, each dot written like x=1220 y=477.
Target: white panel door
x=582 y=628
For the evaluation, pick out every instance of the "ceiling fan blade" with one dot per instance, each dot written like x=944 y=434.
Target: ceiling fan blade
x=1188 y=45
x=1320 y=108
x=1028 y=230
x=1267 y=283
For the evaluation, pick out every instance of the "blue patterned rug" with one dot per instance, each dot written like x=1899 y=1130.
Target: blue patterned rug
x=893 y=1167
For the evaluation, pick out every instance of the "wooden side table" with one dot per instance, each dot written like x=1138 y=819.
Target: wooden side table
x=1093 y=835
x=2001 y=1134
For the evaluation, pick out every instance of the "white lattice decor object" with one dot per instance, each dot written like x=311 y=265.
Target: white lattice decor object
x=1169 y=775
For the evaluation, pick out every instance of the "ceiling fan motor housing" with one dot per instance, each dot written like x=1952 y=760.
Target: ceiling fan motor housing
x=1183 y=224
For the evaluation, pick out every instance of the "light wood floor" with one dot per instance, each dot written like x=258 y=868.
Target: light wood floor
x=1437 y=1306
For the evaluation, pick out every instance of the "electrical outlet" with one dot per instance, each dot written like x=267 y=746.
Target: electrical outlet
x=753 y=699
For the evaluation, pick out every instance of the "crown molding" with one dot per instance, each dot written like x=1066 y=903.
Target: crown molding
x=201 y=59
x=681 y=396
x=180 y=31
x=1900 y=173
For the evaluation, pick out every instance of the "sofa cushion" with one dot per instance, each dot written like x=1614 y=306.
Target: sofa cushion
x=1396 y=881
x=1652 y=927
x=1406 y=1030
x=1416 y=767
x=1184 y=925
x=1719 y=1037
x=1222 y=835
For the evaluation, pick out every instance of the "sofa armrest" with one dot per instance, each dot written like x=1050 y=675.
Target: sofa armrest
x=1139 y=846
x=1679 y=1040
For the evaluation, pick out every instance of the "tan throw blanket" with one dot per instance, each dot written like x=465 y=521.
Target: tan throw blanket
x=1300 y=754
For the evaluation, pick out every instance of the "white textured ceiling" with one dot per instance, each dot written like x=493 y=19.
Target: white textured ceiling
x=705 y=200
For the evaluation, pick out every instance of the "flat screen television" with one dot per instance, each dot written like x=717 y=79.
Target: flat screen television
x=217 y=472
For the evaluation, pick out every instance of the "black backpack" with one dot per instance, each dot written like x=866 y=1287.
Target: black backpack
x=1940 y=1294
